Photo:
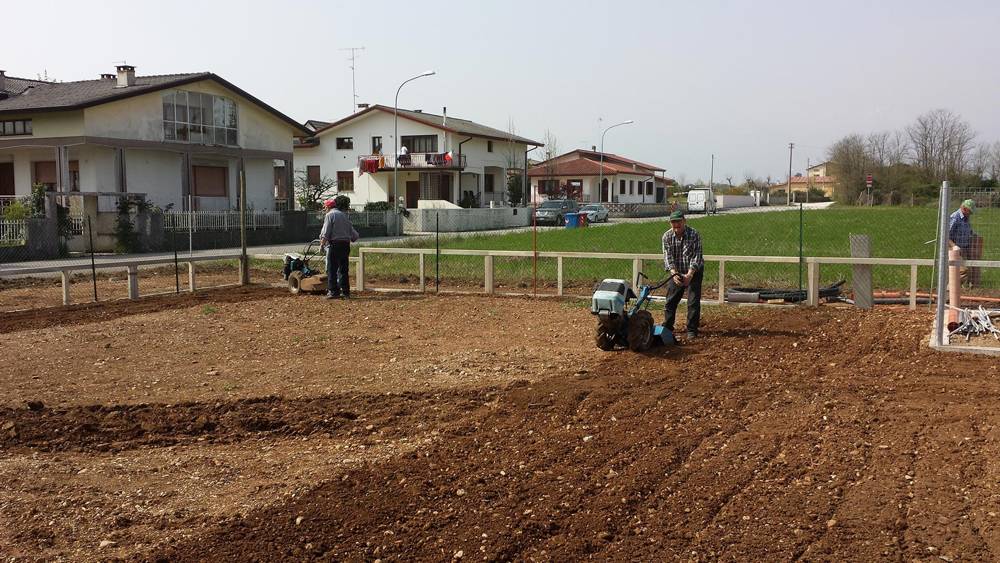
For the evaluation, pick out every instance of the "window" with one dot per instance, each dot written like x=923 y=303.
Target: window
x=489 y=146
x=621 y=187
x=312 y=175
x=205 y=119
x=15 y=127
x=420 y=143
x=488 y=182
x=649 y=188
x=345 y=143
x=210 y=181
x=376 y=145
x=631 y=187
x=550 y=187
x=345 y=181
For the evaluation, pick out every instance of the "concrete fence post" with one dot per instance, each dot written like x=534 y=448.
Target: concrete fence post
x=488 y=266
x=361 y=269
x=913 y=287
x=861 y=279
x=191 y=282
x=66 y=277
x=559 y=275
x=133 y=282
x=636 y=268
x=812 y=284
x=423 y=269
x=722 y=282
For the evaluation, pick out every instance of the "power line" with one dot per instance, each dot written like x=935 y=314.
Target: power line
x=354 y=88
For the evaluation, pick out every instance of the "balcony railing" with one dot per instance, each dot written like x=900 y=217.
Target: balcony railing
x=422 y=160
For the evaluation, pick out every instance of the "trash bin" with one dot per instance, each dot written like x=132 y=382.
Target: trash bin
x=584 y=220
x=572 y=220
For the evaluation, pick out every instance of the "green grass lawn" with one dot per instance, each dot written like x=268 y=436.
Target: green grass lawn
x=894 y=232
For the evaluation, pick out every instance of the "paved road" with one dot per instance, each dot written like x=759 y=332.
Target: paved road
x=279 y=250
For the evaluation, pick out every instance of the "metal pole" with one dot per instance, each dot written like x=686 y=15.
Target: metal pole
x=93 y=266
x=395 y=140
x=711 y=176
x=942 y=262
x=801 y=255
x=437 y=252
x=173 y=244
x=244 y=264
x=788 y=187
x=190 y=225
x=600 y=181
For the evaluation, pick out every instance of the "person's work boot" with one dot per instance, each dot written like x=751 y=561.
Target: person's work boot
x=332 y=295
x=691 y=335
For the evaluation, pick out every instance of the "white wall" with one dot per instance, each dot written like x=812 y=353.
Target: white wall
x=141 y=118
x=97 y=168
x=155 y=173
x=380 y=123
x=260 y=183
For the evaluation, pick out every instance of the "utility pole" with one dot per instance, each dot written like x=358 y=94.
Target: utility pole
x=788 y=187
x=711 y=175
x=354 y=88
x=809 y=182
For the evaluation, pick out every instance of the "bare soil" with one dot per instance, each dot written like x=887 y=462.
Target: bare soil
x=250 y=424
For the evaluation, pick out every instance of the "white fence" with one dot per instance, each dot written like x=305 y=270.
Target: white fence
x=12 y=232
x=220 y=220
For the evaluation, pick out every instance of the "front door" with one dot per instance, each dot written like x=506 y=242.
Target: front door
x=412 y=194
x=6 y=178
x=604 y=190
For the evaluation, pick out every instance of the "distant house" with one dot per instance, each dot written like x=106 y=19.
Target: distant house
x=578 y=173
x=800 y=184
x=177 y=138
x=447 y=158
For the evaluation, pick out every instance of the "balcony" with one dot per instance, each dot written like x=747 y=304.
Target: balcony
x=420 y=160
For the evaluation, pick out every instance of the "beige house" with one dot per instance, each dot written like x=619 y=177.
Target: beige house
x=179 y=139
x=590 y=177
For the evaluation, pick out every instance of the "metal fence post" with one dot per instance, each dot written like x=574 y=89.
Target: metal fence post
x=93 y=267
x=942 y=261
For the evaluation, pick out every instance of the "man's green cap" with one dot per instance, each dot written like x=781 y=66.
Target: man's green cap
x=969 y=204
x=677 y=215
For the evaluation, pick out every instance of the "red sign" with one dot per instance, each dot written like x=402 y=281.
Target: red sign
x=868 y=180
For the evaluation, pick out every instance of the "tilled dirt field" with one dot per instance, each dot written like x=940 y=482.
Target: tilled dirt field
x=254 y=425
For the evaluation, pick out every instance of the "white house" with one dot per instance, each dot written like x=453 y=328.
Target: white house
x=579 y=174
x=448 y=158
x=176 y=138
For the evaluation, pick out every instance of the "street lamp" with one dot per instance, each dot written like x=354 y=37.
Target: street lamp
x=600 y=182
x=395 y=137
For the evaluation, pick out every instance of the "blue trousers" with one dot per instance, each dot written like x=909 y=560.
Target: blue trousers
x=338 y=279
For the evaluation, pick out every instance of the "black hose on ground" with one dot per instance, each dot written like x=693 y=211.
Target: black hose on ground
x=755 y=294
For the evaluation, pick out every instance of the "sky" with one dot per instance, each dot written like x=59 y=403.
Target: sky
x=739 y=80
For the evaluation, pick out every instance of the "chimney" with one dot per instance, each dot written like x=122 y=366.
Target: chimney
x=126 y=76
x=3 y=81
x=593 y=148
x=444 y=118
x=107 y=77
x=362 y=106
x=418 y=111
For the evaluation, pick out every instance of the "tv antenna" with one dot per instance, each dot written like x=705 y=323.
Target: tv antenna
x=354 y=88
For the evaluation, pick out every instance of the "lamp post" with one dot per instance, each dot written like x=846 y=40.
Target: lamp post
x=600 y=181
x=395 y=138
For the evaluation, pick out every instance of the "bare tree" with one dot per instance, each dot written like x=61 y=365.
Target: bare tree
x=850 y=161
x=994 y=163
x=729 y=180
x=310 y=195
x=942 y=144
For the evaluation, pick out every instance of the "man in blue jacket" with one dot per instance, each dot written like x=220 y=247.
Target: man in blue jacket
x=960 y=234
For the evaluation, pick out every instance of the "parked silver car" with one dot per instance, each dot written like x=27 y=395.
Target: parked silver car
x=596 y=213
x=554 y=211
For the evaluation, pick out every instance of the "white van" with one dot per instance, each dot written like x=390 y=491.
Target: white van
x=701 y=200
